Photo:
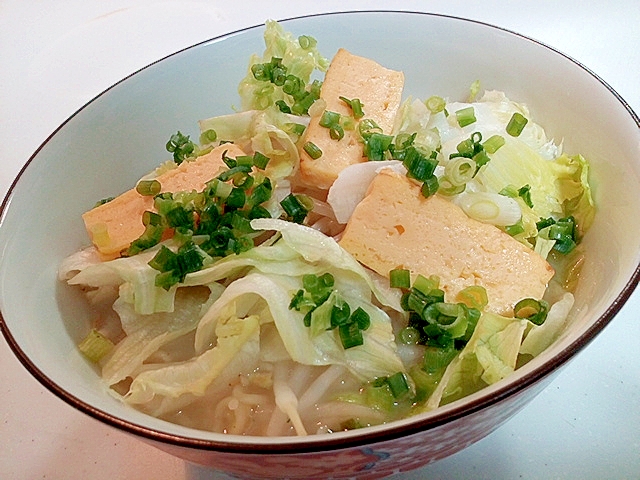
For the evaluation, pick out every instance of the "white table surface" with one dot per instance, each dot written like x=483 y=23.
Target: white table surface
x=57 y=55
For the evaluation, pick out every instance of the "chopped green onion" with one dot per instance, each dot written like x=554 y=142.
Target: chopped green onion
x=305 y=99
x=361 y=318
x=376 y=145
x=474 y=90
x=435 y=104
x=460 y=170
x=165 y=259
x=208 y=136
x=340 y=315
x=516 y=124
x=276 y=73
x=563 y=231
x=367 y=127
x=282 y=106
x=173 y=267
x=312 y=150
x=426 y=284
x=296 y=129
x=403 y=144
x=180 y=217
x=481 y=159
x=319 y=287
x=448 y=188
x=329 y=118
x=237 y=198
x=181 y=147
x=533 y=310
x=409 y=336
x=419 y=164
x=316 y=291
x=432 y=321
x=307 y=42
x=525 y=193
x=239 y=171
x=95 y=346
x=103 y=201
x=398 y=385
x=336 y=132
x=430 y=186
x=474 y=296
x=515 y=229
x=261 y=193
x=260 y=160
x=150 y=237
x=451 y=317
x=545 y=222
x=350 y=335
x=151 y=218
x=295 y=208
x=148 y=188
x=466 y=116
x=293 y=86
x=167 y=279
x=356 y=107
x=400 y=278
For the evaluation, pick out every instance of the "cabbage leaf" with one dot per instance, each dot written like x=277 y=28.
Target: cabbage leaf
x=235 y=338
x=146 y=334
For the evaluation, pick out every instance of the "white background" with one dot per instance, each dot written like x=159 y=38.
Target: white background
x=57 y=55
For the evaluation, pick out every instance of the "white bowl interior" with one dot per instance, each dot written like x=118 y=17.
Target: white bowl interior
x=106 y=146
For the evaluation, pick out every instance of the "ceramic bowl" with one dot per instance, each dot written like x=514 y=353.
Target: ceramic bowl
x=120 y=135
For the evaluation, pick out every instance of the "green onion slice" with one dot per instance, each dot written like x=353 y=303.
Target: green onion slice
x=148 y=188
x=516 y=124
x=312 y=150
x=435 y=104
x=295 y=207
x=356 y=107
x=533 y=310
x=474 y=296
x=329 y=119
x=430 y=186
x=400 y=278
x=350 y=335
x=95 y=346
x=460 y=170
x=307 y=42
x=466 y=116
x=208 y=136
x=398 y=385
